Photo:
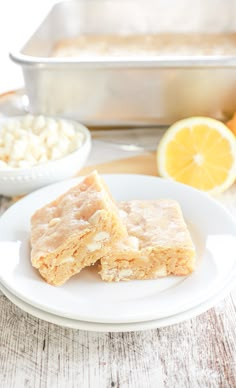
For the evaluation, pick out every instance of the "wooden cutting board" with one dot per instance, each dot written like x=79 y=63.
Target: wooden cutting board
x=142 y=164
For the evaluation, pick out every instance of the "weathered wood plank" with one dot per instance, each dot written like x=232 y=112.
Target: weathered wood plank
x=197 y=353
x=4 y=203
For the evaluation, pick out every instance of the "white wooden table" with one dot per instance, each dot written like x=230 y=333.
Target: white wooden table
x=199 y=353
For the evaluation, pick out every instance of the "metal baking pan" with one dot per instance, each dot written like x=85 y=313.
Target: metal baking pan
x=117 y=91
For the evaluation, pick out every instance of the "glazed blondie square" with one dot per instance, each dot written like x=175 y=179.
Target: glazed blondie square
x=159 y=243
x=75 y=230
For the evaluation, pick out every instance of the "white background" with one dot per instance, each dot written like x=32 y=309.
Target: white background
x=18 y=19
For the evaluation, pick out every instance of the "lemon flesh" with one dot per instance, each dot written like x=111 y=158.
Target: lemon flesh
x=200 y=152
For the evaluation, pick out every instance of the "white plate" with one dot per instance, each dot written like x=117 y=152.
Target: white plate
x=85 y=297
x=122 y=327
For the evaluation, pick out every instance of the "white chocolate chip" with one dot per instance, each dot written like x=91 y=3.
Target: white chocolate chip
x=161 y=271
x=94 y=246
x=122 y=213
x=54 y=221
x=125 y=273
x=101 y=236
x=115 y=274
x=134 y=242
x=94 y=217
x=69 y=259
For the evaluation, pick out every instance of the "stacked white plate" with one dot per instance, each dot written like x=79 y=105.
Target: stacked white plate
x=86 y=302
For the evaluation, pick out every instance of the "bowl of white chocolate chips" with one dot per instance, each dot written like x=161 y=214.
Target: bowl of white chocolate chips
x=36 y=151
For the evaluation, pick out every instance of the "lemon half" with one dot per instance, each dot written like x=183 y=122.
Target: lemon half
x=200 y=152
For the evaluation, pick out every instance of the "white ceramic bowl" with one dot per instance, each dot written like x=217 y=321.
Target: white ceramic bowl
x=20 y=181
